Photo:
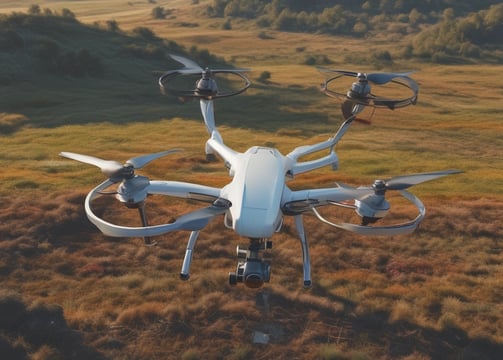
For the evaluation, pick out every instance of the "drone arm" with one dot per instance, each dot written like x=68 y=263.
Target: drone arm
x=295 y=202
x=302 y=167
x=216 y=144
x=182 y=189
x=330 y=159
x=208 y=114
x=300 y=151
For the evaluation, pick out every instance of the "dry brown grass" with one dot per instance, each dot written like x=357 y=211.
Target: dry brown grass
x=431 y=294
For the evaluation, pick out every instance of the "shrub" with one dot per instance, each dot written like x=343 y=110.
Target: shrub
x=158 y=12
x=67 y=13
x=264 y=76
x=145 y=33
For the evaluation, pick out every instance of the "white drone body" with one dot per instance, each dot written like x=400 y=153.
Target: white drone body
x=257 y=199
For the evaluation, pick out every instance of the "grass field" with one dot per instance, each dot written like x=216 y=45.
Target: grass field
x=71 y=293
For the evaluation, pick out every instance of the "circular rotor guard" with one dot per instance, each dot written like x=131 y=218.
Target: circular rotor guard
x=372 y=99
x=389 y=230
x=167 y=79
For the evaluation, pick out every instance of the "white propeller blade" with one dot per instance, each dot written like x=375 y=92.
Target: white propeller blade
x=140 y=161
x=190 y=66
x=107 y=166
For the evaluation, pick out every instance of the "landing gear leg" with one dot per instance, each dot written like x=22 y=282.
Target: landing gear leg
x=187 y=260
x=306 y=260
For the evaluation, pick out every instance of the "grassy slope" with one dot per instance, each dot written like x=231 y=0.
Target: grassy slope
x=432 y=294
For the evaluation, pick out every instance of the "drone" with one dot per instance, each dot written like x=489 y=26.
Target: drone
x=257 y=199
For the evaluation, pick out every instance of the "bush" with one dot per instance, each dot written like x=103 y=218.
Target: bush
x=67 y=13
x=158 y=13
x=264 y=76
x=145 y=33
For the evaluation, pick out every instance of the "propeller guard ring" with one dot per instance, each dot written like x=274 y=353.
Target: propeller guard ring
x=373 y=100
x=171 y=75
x=115 y=230
x=184 y=222
x=391 y=230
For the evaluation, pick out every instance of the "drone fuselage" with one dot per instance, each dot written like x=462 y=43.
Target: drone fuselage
x=255 y=192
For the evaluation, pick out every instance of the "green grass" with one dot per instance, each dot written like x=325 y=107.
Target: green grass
x=420 y=296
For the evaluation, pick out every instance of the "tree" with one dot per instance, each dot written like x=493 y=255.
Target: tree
x=34 y=10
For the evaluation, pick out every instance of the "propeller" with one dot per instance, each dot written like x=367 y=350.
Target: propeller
x=379 y=78
x=360 y=95
x=132 y=190
x=206 y=87
x=200 y=218
x=374 y=206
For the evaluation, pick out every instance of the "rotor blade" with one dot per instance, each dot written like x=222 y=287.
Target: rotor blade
x=376 y=78
x=140 y=161
x=106 y=166
x=189 y=64
x=198 y=219
x=239 y=70
x=343 y=72
x=192 y=67
x=383 y=78
x=403 y=182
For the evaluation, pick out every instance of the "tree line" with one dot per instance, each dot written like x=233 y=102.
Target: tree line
x=442 y=28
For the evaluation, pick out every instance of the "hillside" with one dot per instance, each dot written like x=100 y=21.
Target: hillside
x=84 y=79
x=41 y=58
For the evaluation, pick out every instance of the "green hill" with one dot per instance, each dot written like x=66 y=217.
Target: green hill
x=54 y=69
